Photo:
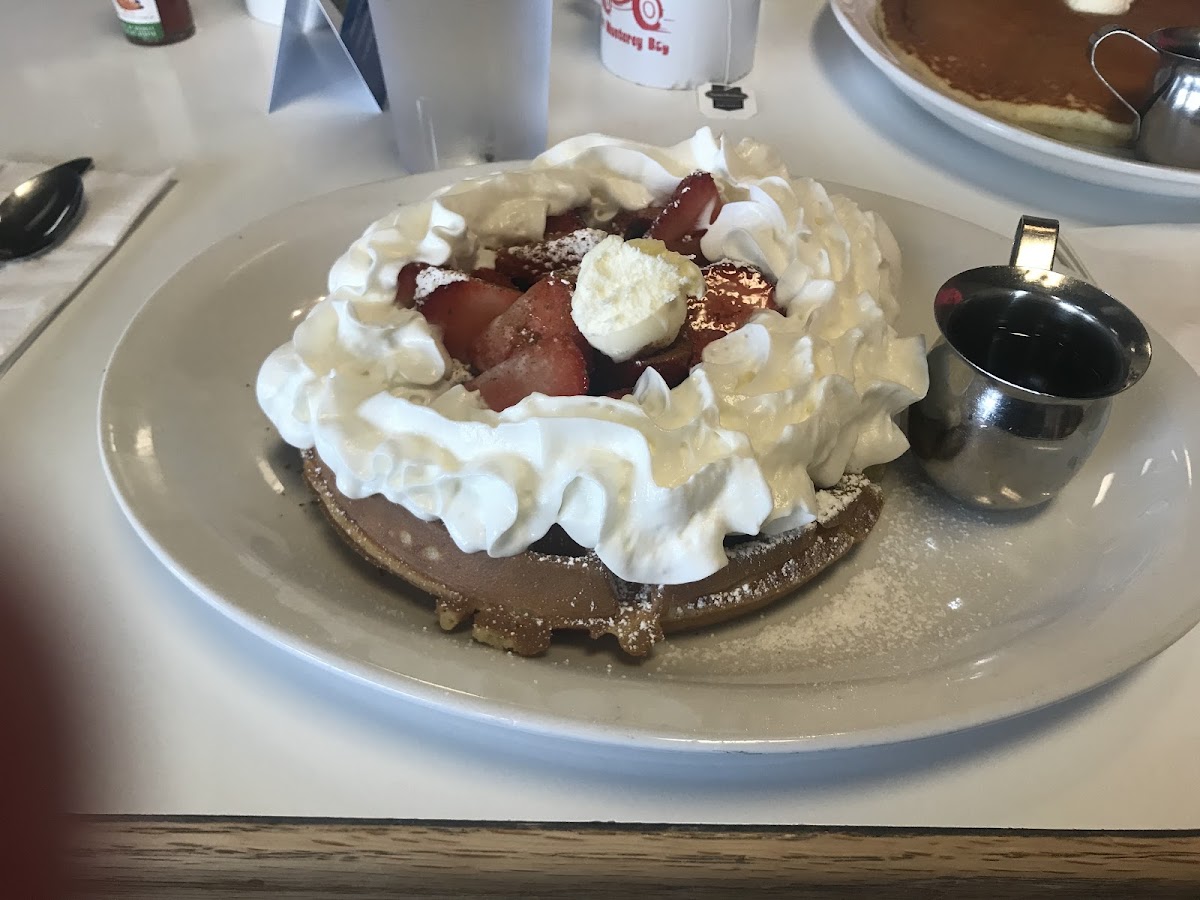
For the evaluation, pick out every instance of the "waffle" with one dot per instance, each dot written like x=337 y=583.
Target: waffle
x=518 y=602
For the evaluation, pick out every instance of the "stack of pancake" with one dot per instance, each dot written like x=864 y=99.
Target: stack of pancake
x=1026 y=61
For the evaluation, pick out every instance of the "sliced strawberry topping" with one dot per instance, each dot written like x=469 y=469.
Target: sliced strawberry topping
x=633 y=223
x=673 y=363
x=569 y=274
x=526 y=263
x=541 y=312
x=553 y=366
x=733 y=292
x=693 y=207
x=485 y=273
x=689 y=246
x=406 y=283
x=566 y=222
x=463 y=309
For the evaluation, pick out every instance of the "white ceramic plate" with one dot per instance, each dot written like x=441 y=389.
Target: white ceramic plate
x=942 y=620
x=1108 y=168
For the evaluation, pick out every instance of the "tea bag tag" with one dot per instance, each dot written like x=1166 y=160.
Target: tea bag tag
x=322 y=49
x=726 y=101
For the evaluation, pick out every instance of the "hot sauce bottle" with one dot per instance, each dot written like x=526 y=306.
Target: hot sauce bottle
x=152 y=23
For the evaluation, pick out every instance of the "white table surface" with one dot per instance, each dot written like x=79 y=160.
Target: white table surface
x=180 y=712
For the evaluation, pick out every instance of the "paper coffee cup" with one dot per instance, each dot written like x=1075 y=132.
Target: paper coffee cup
x=678 y=43
x=272 y=11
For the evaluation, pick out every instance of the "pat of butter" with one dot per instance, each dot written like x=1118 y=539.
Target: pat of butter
x=1101 y=7
x=631 y=296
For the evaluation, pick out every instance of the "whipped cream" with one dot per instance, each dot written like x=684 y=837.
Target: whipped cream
x=1101 y=7
x=631 y=296
x=778 y=409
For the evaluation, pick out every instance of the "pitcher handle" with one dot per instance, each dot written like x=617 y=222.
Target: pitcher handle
x=1035 y=243
x=1093 y=43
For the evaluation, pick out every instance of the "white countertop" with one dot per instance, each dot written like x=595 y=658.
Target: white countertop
x=181 y=712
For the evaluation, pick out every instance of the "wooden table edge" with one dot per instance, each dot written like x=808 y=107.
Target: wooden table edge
x=219 y=857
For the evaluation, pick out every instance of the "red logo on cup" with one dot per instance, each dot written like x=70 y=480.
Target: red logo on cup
x=647 y=13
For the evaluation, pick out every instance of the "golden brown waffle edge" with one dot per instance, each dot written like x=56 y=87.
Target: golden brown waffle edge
x=516 y=603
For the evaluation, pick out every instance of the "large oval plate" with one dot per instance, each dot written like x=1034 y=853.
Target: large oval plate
x=942 y=620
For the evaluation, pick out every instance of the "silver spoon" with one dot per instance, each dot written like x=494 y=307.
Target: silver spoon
x=41 y=211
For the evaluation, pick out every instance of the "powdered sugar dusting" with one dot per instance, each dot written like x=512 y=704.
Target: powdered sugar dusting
x=559 y=252
x=832 y=502
x=904 y=589
x=432 y=278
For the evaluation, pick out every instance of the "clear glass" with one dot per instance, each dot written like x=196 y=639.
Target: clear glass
x=467 y=80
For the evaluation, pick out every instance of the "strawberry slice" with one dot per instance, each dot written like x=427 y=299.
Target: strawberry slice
x=486 y=273
x=463 y=309
x=633 y=223
x=693 y=207
x=733 y=292
x=406 y=283
x=565 y=222
x=541 y=312
x=553 y=366
x=673 y=363
x=569 y=274
x=551 y=298
x=689 y=246
x=527 y=263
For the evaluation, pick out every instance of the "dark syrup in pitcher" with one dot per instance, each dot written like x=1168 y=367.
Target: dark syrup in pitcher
x=1038 y=344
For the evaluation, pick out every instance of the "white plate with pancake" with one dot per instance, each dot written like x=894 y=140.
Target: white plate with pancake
x=942 y=620
x=1110 y=168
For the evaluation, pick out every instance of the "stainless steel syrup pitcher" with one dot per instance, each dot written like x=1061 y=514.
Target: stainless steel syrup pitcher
x=1022 y=378
x=1167 y=129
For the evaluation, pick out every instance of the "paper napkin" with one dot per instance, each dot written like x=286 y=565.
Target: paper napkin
x=33 y=290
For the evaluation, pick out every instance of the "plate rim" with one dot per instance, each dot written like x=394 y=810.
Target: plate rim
x=1105 y=169
x=502 y=712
